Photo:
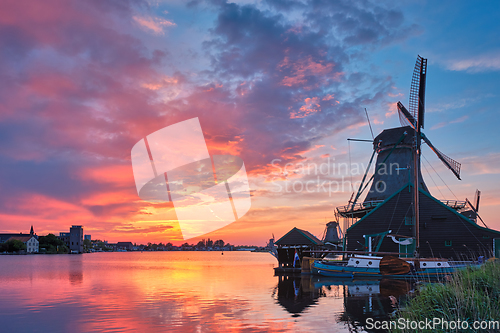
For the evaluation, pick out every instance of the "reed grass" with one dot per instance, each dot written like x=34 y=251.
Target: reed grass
x=471 y=294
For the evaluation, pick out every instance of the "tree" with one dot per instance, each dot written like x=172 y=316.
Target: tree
x=210 y=243
x=219 y=243
x=52 y=244
x=12 y=245
x=87 y=245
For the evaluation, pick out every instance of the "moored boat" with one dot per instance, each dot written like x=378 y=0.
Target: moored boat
x=361 y=266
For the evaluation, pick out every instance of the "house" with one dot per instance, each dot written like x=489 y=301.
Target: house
x=30 y=241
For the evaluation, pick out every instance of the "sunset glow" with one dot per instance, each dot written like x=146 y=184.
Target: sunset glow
x=281 y=87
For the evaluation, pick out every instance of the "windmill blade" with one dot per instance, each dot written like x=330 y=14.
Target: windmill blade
x=453 y=165
x=417 y=90
x=405 y=117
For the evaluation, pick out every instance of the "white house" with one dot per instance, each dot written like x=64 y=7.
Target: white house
x=30 y=241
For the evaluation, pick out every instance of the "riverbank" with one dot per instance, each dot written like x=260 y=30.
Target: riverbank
x=471 y=295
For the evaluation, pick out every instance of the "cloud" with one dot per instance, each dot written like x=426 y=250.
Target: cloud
x=456 y=121
x=488 y=164
x=479 y=63
x=457 y=103
x=311 y=106
x=80 y=89
x=153 y=24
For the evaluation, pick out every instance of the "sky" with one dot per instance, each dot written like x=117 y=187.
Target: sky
x=281 y=84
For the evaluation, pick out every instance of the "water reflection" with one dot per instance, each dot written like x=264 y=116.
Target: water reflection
x=75 y=271
x=362 y=299
x=178 y=292
x=296 y=294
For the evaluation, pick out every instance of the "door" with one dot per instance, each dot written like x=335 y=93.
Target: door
x=496 y=247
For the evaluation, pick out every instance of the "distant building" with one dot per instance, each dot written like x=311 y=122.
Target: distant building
x=73 y=239
x=87 y=237
x=31 y=240
x=125 y=246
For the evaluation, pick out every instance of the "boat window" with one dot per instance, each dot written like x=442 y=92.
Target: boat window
x=357 y=262
x=439 y=264
x=369 y=262
x=424 y=264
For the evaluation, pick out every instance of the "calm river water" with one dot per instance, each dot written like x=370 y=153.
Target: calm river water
x=178 y=292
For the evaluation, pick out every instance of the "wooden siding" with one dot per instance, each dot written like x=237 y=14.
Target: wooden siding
x=438 y=224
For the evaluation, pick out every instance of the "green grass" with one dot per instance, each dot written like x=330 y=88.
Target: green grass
x=472 y=294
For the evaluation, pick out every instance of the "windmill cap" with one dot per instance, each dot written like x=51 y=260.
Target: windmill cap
x=389 y=137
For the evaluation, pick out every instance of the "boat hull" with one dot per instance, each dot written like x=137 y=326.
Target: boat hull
x=341 y=270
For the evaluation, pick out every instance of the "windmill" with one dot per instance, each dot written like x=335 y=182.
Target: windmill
x=399 y=149
x=393 y=198
x=415 y=118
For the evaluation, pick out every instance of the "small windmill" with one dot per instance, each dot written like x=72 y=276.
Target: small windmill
x=415 y=118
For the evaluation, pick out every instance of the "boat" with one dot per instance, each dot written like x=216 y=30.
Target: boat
x=365 y=266
x=399 y=196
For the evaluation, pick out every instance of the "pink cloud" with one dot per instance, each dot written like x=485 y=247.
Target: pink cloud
x=153 y=24
x=302 y=69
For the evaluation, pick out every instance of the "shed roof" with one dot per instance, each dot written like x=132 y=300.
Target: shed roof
x=298 y=236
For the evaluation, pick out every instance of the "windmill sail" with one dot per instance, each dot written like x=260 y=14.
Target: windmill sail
x=405 y=117
x=453 y=165
x=417 y=90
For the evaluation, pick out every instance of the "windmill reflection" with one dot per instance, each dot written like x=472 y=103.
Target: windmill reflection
x=363 y=299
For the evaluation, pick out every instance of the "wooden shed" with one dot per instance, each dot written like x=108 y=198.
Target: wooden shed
x=298 y=240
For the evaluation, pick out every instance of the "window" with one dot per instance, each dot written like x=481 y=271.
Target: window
x=408 y=220
x=447 y=243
